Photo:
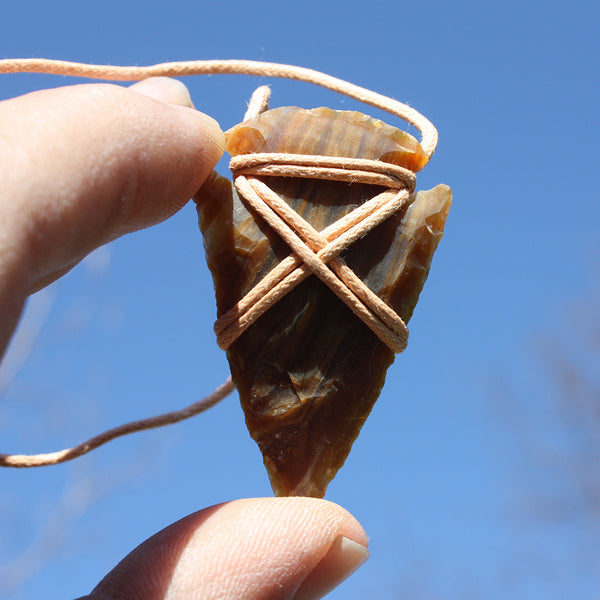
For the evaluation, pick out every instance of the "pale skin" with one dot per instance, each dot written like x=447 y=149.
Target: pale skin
x=79 y=167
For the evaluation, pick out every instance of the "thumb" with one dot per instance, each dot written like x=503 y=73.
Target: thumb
x=255 y=549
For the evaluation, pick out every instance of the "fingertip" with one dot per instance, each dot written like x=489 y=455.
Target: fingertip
x=296 y=548
x=212 y=136
x=174 y=92
x=181 y=146
x=170 y=177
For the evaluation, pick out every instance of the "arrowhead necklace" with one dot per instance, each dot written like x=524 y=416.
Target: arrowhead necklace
x=318 y=250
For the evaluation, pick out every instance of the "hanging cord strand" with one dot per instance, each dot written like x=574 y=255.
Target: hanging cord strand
x=229 y=67
x=54 y=458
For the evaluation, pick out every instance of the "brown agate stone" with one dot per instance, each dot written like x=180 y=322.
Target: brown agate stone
x=308 y=371
x=326 y=132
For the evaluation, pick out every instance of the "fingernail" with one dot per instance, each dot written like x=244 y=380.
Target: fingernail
x=342 y=559
x=165 y=89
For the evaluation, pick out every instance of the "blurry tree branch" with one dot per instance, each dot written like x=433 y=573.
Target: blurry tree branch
x=552 y=418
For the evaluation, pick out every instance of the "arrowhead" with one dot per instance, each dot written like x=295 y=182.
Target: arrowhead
x=308 y=371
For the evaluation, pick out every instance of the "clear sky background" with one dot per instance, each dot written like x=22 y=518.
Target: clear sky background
x=440 y=473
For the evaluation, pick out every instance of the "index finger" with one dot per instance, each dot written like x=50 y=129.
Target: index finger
x=82 y=165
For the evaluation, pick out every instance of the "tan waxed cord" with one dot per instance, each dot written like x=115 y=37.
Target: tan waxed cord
x=55 y=458
x=313 y=252
x=229 y=67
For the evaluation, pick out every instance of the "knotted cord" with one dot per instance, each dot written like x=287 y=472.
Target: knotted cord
x=313 y=252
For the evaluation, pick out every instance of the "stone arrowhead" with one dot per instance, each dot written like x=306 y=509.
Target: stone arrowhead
x=308 y=371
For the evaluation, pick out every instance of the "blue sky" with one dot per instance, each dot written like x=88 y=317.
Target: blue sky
x=513 y=90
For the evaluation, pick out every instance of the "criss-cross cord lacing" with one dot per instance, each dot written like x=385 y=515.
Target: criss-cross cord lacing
x=317 y=252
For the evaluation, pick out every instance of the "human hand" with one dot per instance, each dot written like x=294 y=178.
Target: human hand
x=81 y=166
